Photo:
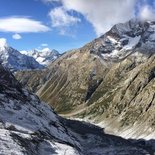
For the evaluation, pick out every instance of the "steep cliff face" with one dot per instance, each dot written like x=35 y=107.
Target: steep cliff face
x=28 y=126
x=109 y=81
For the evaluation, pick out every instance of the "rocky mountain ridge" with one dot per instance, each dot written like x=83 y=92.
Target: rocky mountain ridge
x=44 y=56
x=15 y=61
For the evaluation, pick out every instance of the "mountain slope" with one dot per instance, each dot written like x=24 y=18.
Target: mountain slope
x=15 y=61
x=109 y=81
x=43 y=57
x=28 y=126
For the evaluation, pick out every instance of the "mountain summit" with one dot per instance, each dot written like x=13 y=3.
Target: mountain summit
x=3 y=43
x=126 y=38
x=44 y=56
x=14 y=60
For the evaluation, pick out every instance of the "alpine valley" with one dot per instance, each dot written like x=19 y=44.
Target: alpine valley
x=31 y=127
x=109 y=82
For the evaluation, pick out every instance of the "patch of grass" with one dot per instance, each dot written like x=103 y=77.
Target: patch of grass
x=64 y=105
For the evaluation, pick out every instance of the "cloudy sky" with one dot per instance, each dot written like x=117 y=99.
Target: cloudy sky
x=65 y=24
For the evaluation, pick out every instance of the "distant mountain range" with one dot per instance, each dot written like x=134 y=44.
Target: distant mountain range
x=44 y=56
x=26 y=60
x=14 y=60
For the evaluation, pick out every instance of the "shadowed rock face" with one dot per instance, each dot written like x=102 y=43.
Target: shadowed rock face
x=109 y=81
x=28 y=126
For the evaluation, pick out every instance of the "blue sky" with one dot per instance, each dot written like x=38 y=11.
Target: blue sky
x=65 y=24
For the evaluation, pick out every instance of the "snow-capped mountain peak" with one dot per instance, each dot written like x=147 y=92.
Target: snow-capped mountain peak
x=125 y=38
x=45 y=49
x=14 y=60
x=44 y=56
x=3 y=43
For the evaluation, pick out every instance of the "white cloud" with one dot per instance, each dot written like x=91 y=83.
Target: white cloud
x=21 y=25
x=147 y=13
x=61 y=18
x=16 y=36
x=3 y=42
x=103 y=14
x=44 y=45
